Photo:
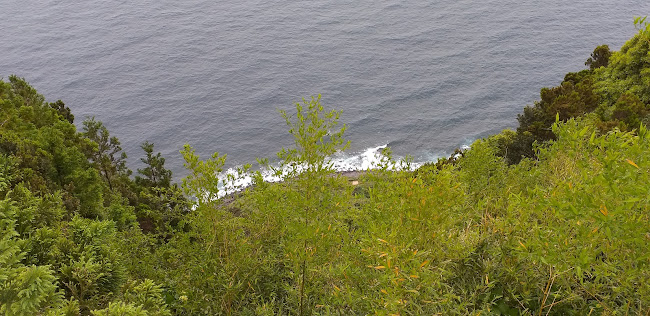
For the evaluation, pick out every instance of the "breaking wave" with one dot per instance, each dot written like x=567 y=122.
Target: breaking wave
x=368 y=159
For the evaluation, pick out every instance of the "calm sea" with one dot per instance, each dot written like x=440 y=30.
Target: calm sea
x=422 y=77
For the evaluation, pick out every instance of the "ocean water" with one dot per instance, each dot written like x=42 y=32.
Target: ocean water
x=422 y=77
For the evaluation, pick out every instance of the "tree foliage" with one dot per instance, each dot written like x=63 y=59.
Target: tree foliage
x=599 y=58
x=549 y=219
x=107 y=155
x=60 y=217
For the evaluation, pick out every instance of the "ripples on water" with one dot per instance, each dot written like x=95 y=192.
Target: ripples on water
x=422 y=76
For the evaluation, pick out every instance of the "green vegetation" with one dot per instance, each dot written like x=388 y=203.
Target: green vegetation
x=551 y=219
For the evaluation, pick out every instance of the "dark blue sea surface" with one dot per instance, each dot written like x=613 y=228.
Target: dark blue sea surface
x=423 y=77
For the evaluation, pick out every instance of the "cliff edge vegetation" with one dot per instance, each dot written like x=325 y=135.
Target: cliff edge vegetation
x=552 y=218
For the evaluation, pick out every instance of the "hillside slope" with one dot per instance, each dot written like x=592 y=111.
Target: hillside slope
x=552 y=218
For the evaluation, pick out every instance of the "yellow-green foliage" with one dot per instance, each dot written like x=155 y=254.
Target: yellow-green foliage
x=567 y=233
x=563 y=232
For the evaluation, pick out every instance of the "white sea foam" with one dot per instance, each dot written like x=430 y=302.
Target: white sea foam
x=371 y=158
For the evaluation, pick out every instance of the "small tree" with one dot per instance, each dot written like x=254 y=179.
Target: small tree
x=160 y=202
x=203 y=181
x=106 y=156
x=599 y=58
x=154 y=174
x=63 y=110
x=316 y=138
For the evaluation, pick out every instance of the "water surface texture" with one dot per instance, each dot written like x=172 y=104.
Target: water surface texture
x=423 y=77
